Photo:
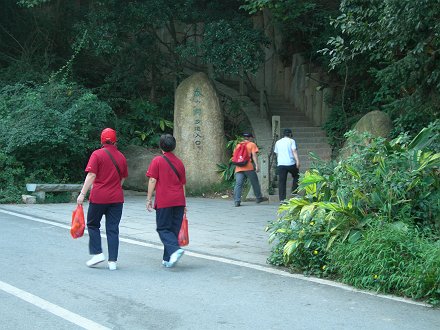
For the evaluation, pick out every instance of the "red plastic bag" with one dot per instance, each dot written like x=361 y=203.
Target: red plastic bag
x=183 y=237
x=78 y=223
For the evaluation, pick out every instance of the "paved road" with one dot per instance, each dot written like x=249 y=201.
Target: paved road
x=221 y=283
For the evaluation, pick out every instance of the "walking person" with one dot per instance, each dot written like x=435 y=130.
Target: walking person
x=288 y=162
x=249 y=170
x=106 y=172
x=167 y=177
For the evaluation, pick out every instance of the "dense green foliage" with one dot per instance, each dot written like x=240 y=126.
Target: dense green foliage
x=392 y=258
x=47 y=132
x=69 y=69
x=12 y=179
x=398 y=44
x=381 y=183
x=382 y=55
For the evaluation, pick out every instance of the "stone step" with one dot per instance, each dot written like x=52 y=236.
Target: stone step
x=289 y=121
x=276 y=99
x=288 y=112
x=306 y=129
x=306 y=160
x=280 y=109
x=308 y=135
x=284 y=110
x=304 y=151
x=310 y=139
x=295 y=123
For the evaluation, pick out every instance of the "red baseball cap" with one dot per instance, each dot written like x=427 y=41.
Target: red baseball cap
x=108 y=135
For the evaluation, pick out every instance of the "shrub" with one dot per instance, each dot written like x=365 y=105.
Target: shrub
x=11 y=179
x=51 y=127
x=145 y=123
x=381 y=182
x=391 y=259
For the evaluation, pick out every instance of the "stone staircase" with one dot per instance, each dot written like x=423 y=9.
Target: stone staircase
x=308 y=137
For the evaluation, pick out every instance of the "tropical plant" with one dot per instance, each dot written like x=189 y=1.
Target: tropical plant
x=381 y=182
x=227 y=171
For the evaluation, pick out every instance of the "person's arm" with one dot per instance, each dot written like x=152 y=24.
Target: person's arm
x=255 y=159
x=151 y=188
x=295 y=155
x=90 y=178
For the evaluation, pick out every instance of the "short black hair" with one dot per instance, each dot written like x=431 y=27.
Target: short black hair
x=167 y=142
x=248 y=135
x=287 y=132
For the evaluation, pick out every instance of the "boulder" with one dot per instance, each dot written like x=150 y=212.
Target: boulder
x=138 y=160
x=199 y=131
x=378 y=123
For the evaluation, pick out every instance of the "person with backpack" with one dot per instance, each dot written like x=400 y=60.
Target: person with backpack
x=245 y=160
x=167 y=177
x=288 y=162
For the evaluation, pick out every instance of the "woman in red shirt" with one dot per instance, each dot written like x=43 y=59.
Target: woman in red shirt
x=106 y=170
x=167 y=177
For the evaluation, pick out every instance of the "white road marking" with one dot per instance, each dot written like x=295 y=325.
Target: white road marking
x=239 y=263
x=51 y=308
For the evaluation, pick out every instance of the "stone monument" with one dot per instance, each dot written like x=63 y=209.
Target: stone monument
x=199 y=131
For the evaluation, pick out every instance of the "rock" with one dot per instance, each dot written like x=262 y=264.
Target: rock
x=138 y=160
x=378 y=123
x=199 y=132
x=29 y=199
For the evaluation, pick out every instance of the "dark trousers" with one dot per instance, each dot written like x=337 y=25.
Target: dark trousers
x=168 y=223
x=239 y=182
x=113 y=213
x=282 y=175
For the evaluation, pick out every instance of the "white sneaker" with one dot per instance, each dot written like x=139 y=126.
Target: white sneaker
x=112 y=265
x=176 y=256
x=167 y=264
x=96 y=259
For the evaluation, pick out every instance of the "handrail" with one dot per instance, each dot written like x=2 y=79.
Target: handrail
x=271 y=155
x=268 y=111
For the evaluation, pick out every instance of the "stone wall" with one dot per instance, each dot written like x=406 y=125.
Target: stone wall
x=306 y=90
x=302 y=84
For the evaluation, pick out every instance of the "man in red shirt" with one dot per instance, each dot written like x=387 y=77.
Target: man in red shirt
x=106 y=170
x=167 y=177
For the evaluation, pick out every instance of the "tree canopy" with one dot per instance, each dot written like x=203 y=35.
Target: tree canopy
x=382 y=54
x=130 y=56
